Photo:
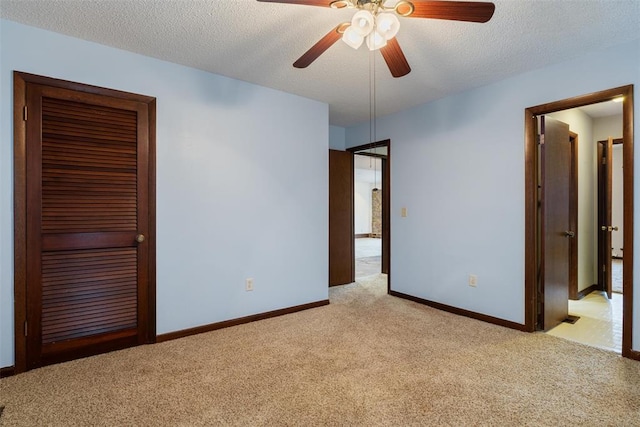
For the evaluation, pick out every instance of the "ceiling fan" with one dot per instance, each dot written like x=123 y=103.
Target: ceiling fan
x=378 y=24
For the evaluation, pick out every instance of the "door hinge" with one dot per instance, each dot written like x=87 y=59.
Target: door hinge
x=604 y=160
x=24 y=113
x=604 y=268
x=540 y=139
x=25 y=328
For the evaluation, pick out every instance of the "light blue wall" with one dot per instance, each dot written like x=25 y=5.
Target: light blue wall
x=239 y=193
x=458 y=166
x=336 y=137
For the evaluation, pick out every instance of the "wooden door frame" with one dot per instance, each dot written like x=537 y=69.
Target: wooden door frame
x=603 y=283
x=386 y=202
x=20 y=213
x=573 y=217
x=531 y=202
x=601 y=246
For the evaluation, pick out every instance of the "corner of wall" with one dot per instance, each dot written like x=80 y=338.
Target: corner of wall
x=337 y=138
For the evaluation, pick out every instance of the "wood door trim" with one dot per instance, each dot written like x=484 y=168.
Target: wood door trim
x=531 y=162
x=386 y=216
x=19 y=222
x=604 y=237
x=20 y=81
x=573 y=218
x=382 y=143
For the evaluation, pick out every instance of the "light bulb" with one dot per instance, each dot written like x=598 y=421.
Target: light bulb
x=375 y=40
x=352 y=38
x=362 y=22
x=388 y=25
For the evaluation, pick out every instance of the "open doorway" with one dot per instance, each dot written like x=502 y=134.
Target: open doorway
x=371 y=209
x=548 y=265
x=594 y=314
x=368 y=215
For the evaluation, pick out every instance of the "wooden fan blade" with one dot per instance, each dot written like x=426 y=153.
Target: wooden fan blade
x=318 y=49
x=395 y=59
x=470 y=11
x=325 y=3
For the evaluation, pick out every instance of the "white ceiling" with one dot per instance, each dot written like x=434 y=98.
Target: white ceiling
x=603 y=109
x=257 y=42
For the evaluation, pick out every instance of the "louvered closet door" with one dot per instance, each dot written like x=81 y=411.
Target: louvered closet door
x=87 y=210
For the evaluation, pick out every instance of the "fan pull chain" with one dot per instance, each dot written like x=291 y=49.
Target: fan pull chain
x=373 y=113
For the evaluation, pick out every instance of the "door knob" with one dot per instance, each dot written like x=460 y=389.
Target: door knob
x=140 y=238
x=569 y=233
x=615 y=228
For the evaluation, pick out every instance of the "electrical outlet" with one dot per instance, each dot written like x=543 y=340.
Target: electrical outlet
x=473 y=280
x=248 y=285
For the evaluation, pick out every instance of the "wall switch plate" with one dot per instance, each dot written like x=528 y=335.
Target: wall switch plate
x=403 y=212
x=248 y=285
x=473 y=280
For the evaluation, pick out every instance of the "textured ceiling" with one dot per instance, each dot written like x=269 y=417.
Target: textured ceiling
x=258 y=42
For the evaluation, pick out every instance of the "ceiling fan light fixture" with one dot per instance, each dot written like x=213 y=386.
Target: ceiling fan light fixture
x=352 y=38
x=375 y=40
x=363 y=22
x=388 y=25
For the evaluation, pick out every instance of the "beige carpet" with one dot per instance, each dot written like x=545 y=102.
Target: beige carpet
x=367 y=359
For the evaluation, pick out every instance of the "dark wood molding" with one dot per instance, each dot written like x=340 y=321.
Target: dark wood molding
x=19 y=221
x=573 y=218
x=239 y=321
x=531 y=219
x=582 y=100
x=461 y=312
x=7 y=371
x=583 y=293
x=383 y=143
x=616 y=141
x=628 y=224
x=20 y=82
x=633 y=354
x=151 y=194
x=362 y=235
x=386 y=217
x=531 y=202
x=81 y=87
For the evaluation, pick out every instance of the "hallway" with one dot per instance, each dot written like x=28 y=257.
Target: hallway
x=368 y=256
x=600 y=323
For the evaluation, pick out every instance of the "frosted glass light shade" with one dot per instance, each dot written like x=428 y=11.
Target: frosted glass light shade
x=362 y=22
x=388 y=25
x=352 y=37
x=375 y=40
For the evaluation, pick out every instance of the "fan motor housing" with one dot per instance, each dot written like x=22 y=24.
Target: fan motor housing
x=366 y=2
